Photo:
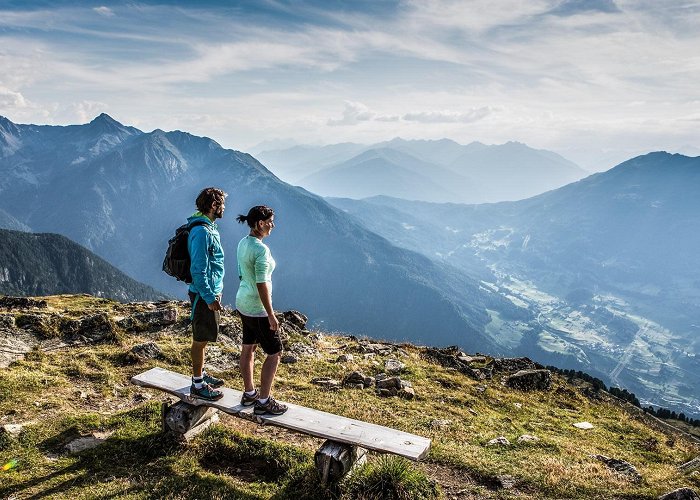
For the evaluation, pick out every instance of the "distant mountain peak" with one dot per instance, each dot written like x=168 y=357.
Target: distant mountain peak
x=105 y=119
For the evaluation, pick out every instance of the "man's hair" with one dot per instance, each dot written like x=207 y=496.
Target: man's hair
x=255 y=214
x=208 y=196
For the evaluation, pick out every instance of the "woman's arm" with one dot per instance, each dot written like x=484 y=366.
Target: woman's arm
x=266 y=299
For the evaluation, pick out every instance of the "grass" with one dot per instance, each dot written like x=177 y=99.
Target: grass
x=63 y=394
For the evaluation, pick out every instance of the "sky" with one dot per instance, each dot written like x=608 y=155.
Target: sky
x=597 y=81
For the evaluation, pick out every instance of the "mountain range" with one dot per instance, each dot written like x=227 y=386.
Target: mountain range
x=121 y=192
x=608 y=266
x=438 y=171
x=49 y=264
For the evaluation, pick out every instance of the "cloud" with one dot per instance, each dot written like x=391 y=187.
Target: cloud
x=11 y=100
x=356 y=112
x=448 y=116
x=104 y=11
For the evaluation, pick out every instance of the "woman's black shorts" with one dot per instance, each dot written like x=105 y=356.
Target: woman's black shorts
x=257 y=331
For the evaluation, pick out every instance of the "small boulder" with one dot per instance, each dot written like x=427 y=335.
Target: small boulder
x=583 y=425
x=621 y=467
x=439 y=423
x=513 y=364
x=407 y=393
x=142 y=352
x=530 y=380
x=12 y=430
x=527 y=438
x=297 y=319
x=345 y=358
x=690 y=465
x=358 y=378
x=326 y=383
x=389 y=383
x=499 y=441
x=394 y=366
x=680 y=494
x=289 y=359
x=87 y=442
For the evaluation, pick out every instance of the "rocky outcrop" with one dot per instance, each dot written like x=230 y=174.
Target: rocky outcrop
x=530 y=380
x=681 y=494
x=452 y=357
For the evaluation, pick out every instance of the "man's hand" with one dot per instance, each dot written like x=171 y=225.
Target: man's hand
x=215 y=306
x=274 y=324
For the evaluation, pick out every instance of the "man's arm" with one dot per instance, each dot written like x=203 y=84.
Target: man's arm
x=199 y=263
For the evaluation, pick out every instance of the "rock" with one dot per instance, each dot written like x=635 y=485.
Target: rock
x=449 y=358
x=356 y=378
x=148 y=320
x=527 y=438
x=407 y=393
x=12 y=430
x=93 y=328
x=369 y=355
x=87 y=442
x=315 y=337
x=386 y=393
x=394 y=366
x=480 y=388
x=389 y=383
x=473 y=412
x=7 y=321
x=464 y=358
x=513 y=364
x=370 y=347
x=296 y=319
x=690 y=465
x=440 y=423
x=345 y=358
x=518 y=405
x=583 y=425
x=621 y=467
x=506 y=482
x=530 y=380
x=327 y=383
x=499 y=441
x=9 y=302
x=289 y=359
x=680 y=494
x=142 y=352
x=300 y=350
x=219 y=359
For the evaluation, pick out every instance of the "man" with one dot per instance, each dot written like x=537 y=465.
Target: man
x=207 y=269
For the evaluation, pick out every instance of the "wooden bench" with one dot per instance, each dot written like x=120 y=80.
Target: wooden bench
x=347 y=438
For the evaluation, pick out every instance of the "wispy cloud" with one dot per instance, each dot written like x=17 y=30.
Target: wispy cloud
x=104 y=11
x=546 y=72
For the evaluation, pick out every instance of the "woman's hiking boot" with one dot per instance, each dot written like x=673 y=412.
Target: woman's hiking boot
x=271 y=406
x=206 y=392
x=247 y=400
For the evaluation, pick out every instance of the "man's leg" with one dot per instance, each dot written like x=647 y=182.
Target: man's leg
x=197 y=352
x=246 y=363
x=269 y=368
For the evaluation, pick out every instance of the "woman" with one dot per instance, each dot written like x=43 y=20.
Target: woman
x=254 y=303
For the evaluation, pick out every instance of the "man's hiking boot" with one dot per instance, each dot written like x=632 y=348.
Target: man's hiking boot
x=213 y=381
x=206 y=392
x=250 y=400
x=271 y=406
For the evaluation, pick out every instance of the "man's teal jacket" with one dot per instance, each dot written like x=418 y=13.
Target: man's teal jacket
x=207 y=259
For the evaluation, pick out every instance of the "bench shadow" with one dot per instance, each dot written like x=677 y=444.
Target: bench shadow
x=122 y=458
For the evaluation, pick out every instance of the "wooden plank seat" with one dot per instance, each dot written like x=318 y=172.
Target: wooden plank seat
x=297 y=418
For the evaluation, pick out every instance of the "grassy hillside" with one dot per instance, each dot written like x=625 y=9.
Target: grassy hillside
x=73 y=384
